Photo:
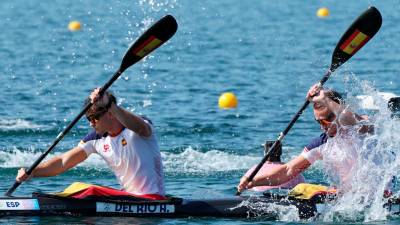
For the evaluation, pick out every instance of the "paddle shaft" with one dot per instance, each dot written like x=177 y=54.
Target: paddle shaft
x=61 y=135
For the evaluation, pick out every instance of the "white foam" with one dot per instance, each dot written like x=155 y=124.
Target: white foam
x=24 y=158
x=147 y=103
x=192 y=161
x=18 y=158
x=270 y=210
x=188 y=161
x=18 y=124
x=371 y=101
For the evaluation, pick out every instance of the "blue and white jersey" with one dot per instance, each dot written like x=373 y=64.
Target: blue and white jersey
x=312 y=151
x=316 y=142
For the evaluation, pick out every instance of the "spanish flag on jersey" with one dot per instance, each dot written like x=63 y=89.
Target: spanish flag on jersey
x=123 y=142
x=354 y=42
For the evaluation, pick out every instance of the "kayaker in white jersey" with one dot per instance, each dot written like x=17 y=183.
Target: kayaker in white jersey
x=336 y=121
x=124 y=140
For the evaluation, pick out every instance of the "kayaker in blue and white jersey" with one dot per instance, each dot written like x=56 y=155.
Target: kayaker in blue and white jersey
x=124 y=140
x=343 y=130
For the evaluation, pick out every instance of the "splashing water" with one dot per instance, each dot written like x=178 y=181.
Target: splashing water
x=157 y=6
x=275 y=211
x=362 y=167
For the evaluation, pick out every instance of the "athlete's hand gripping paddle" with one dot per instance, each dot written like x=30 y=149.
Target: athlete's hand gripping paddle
x=356 y=36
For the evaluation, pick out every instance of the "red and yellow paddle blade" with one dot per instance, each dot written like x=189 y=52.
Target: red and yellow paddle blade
x=156 y=35
x=356 y=36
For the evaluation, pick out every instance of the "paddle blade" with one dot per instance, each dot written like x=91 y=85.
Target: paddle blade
x=356 y=36
x=156 y=35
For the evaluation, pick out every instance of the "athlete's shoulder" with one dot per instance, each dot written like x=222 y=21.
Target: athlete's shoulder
x=316 y=142
x=91 y=136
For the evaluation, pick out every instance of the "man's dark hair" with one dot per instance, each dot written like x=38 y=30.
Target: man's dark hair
x=334 y=96
x=276 y=153
x=93 y=109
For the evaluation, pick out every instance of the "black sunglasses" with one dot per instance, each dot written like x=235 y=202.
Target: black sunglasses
x=96 y=116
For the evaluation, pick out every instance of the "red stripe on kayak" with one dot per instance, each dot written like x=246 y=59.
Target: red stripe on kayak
x=106 y=191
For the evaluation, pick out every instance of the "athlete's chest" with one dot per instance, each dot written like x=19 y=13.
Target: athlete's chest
x=111 y=147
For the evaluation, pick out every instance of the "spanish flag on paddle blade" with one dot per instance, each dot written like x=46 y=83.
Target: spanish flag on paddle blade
x=354 y=42
x=148 y=46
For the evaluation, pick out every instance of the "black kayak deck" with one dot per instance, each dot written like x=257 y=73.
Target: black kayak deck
x=47 y=205
x=267 y=206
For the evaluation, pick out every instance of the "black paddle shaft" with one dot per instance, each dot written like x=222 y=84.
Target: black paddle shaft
x=155 y=36
x=356 y=36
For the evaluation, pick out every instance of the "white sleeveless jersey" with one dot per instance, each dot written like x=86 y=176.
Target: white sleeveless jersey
x=135 y=160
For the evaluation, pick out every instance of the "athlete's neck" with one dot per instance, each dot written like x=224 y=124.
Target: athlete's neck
x=116 y=129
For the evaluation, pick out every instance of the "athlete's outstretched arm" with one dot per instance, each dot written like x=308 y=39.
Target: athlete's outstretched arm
x=278 y=175
x=55 y=165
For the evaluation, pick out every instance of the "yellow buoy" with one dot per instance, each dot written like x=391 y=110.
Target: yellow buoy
x=323 y=12
x=227 y=100
x=74 y=26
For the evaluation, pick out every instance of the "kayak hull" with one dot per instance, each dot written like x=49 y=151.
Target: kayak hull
x=175 y=207
x=266 y=206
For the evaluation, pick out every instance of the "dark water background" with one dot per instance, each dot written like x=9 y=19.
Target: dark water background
x=267 y=52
